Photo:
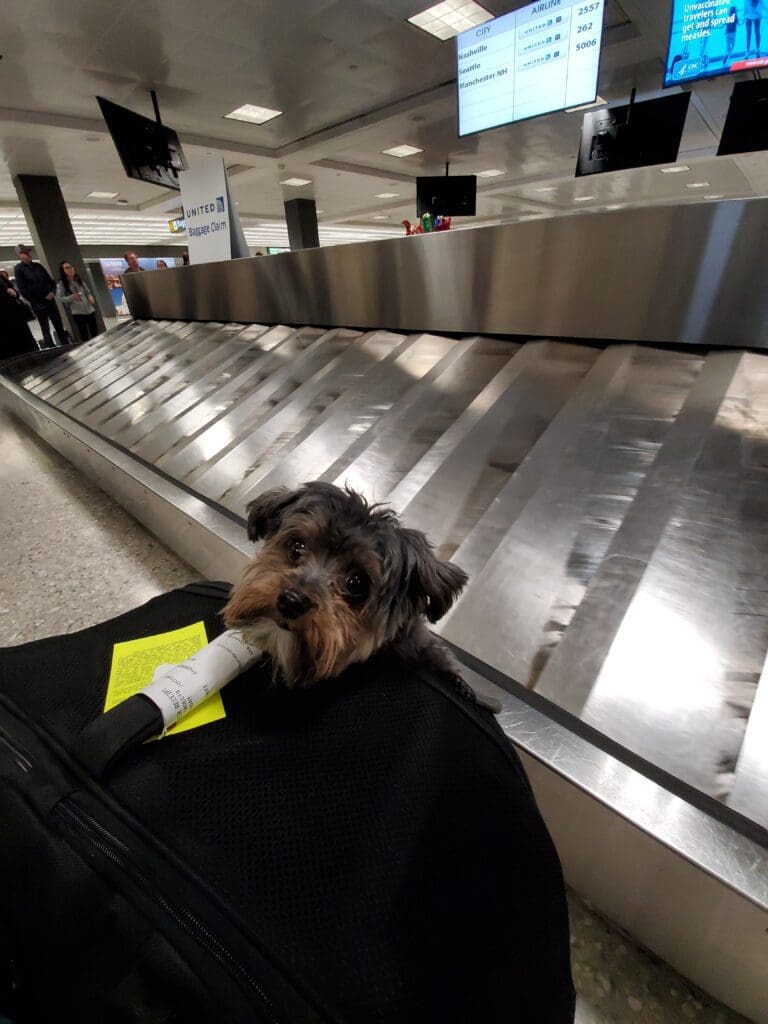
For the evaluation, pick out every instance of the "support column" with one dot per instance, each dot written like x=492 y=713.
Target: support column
x=52 y=235
x=301 y=218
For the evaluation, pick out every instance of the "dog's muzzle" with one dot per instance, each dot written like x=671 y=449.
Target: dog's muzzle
x=292 y=604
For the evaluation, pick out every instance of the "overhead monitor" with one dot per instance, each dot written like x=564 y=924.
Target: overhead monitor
x=444 y=196
x=746 y=126
x=149 y=151
x=709 y=38
x=632 y=135
x=543 y=57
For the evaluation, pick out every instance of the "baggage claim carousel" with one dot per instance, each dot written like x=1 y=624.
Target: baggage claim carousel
x=584 y=429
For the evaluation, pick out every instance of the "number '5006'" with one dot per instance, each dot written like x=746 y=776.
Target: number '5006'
x=586 y=43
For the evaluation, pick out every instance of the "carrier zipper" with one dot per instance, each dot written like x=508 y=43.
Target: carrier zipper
x=114 y=850
x=19 y=754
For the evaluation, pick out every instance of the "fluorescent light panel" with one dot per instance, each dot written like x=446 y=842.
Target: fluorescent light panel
x=296 y=182
x=546 y=188
x=253 y=114
x=445 y=20
x=583 y=199
x=674 y=170
x=493 y=173
x=402 y=151
x=386 y=195
x=102 y=195
x=698 y=184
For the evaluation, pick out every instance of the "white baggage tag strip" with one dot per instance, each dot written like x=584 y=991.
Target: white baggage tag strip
x=176 y=689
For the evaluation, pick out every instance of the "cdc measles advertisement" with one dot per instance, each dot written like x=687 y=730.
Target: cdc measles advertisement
x=709 y=37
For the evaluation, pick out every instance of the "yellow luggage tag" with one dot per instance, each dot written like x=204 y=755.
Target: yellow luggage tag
x=134 y=663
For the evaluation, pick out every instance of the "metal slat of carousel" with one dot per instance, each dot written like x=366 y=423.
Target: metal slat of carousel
x=609 y=502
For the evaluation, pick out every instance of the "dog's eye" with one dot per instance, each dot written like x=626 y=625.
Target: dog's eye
x=296 y=550
x=357 y=586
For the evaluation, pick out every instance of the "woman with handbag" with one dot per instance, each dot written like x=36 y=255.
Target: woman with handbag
x=15 y=335
x=77 y=296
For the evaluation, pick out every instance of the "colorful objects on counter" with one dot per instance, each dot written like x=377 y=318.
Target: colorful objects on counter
x=427 y=225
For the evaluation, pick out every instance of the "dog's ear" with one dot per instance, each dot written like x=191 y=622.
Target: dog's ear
x=266 y=511
x=433 y=585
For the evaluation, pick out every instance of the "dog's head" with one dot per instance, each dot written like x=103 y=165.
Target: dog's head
x=335 y=579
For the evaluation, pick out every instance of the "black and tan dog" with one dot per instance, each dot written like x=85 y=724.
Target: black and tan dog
x=336 y=580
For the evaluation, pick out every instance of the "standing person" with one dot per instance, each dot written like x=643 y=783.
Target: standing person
x=133 y=263
x=15 y=335
x=39 y=289
x=730 y=33
x=76 y=294
x=754 y=12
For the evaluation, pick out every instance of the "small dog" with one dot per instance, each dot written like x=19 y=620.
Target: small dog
x=336 y=580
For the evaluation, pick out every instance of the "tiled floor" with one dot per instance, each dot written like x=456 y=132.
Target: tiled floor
x=70 y=557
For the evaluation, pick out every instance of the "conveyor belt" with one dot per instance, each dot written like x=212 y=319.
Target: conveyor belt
x=611 y=505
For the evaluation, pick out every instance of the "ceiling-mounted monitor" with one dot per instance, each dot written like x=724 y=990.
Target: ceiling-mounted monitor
x=538 y=59
x=746 y=126
x=711 y=38
x=149 y=151
x=632 y=135
x=445 y=196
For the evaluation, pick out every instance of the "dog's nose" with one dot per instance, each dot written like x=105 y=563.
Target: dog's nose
x=292 y=604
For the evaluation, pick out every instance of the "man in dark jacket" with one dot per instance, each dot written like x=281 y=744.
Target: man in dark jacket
x=15 y=335
x=39 y=289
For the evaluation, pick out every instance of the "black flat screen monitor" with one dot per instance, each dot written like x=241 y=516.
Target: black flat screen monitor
x=746 y=126
x=442 y=196
x=149 y=151
x=637 y=135
x=714 y=37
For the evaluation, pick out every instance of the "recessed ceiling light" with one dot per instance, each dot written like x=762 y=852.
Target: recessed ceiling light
x=296 y=181
x=546 y=188
x=401 y=151
x=698 y=184
x=253 y=114
x=380 y=216
x=102 y=195
x=615 y=206
x=674 y=170
x=583 y=199
x=445 y=20
x=386 y=195
x=719 y=196
x=493 y=173
x=319 y=211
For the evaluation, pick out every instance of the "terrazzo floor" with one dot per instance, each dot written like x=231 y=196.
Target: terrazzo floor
x=71 y=557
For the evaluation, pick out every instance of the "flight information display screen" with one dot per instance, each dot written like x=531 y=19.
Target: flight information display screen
x=541 y=58
x=709 y=37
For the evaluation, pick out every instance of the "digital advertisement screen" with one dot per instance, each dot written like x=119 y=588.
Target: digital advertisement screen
x=113 y=268
x=708 y=38
x=541 y=58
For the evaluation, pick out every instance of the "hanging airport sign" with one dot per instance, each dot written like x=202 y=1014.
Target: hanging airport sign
x=212 y=223
x=177 y=226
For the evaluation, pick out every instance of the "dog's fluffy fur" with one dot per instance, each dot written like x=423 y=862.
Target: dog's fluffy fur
x=335 y=580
